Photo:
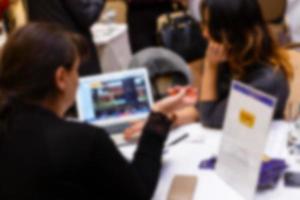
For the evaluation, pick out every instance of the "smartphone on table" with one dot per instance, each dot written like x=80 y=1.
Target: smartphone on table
x=292 y=179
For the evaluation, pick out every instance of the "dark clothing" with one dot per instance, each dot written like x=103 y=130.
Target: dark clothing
x=148 y=1
x=74 y=15
x=260 y=76
x=142 y=17
x=44 y=157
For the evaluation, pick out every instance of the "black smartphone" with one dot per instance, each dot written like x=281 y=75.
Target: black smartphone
x=292 y=179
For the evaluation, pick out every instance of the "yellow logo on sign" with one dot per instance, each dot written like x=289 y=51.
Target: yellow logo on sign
x=247 y=118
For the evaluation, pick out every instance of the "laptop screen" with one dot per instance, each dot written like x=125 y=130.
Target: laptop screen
x=116 y=97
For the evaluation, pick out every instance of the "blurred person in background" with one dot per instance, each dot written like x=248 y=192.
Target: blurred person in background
x=14 y=14
x=75 y=15
x=142 y=18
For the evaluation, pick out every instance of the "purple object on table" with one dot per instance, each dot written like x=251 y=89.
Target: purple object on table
x=270 y=171
x=209 y=163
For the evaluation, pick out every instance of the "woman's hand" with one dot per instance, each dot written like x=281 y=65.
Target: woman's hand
x=134 y=130
x=178 y=98
x=215 y=53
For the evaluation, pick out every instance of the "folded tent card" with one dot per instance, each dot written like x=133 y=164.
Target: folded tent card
x=247 y=121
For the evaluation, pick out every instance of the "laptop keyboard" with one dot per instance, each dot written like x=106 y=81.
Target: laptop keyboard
x=116 y=128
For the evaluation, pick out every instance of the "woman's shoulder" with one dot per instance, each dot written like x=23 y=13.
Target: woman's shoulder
x=38 y=117
x=80 y=128
x=78 y=135
x=264 y=72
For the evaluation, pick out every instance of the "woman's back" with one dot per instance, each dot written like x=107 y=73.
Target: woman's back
x=43 y=157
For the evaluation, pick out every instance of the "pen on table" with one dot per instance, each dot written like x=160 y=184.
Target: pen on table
x=179 y=139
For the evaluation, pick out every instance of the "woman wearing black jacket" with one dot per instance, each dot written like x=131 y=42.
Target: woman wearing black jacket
x=43 y=156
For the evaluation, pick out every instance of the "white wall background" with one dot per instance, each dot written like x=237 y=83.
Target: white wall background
x=293 y=18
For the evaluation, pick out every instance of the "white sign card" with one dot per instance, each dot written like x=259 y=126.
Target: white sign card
x=247 y=120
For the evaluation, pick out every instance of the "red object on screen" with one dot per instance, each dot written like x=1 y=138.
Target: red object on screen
x=3 y=6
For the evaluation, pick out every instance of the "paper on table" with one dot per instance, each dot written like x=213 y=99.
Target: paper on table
x=276 y=146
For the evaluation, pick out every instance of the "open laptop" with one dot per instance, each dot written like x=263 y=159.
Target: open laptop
x=114 y=100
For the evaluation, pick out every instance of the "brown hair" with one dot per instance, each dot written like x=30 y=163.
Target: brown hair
x=31 y=56
x=240 y=26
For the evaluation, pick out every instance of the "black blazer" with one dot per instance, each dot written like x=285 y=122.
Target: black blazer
x=75 y=15
x=45 y=157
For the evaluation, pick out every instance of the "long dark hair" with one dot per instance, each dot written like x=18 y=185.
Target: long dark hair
x=240 y=26
x=29 y=60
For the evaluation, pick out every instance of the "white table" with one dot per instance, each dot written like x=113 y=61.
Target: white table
x=185 y=157
x=113 y=46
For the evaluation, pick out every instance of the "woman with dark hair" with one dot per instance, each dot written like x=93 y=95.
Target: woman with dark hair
x=241 y=48
x=42 y=156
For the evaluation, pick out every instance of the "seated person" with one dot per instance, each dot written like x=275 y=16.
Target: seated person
x=42 y=155
x=240 y=48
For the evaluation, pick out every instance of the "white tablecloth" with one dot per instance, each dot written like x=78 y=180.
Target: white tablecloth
x=184 y=158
